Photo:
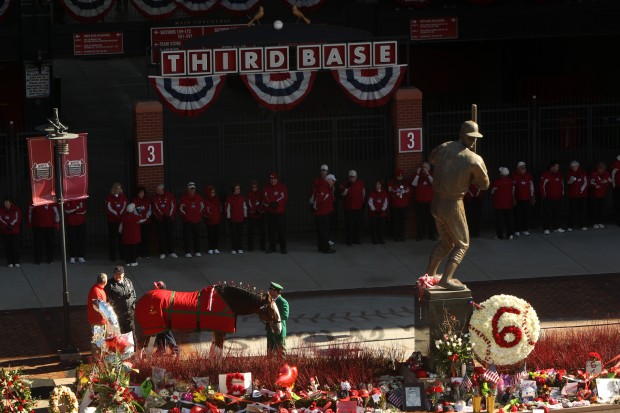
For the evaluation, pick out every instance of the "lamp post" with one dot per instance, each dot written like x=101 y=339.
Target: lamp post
x=57 y=133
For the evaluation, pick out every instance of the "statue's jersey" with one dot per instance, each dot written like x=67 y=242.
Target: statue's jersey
x=456 y=167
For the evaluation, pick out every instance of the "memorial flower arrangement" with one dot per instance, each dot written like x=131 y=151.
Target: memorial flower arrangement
x=435 y=391
x=15 y=393
x=453 y=349
x=110 y=386
x=63 y=396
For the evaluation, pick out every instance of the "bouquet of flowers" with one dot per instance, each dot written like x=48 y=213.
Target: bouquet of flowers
x=111 y=387
x=15 y=393
x=453 y=349
x=435 y=391
x=63 y=396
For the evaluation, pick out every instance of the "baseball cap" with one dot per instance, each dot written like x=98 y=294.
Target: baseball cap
x=504 y=171
x=352 y=172
x=324 y=167
x=574 y=163
x=520 y=164
x=160 y=285
x=191 y=185
x=273 y=175
x=470 y=128
x=331 y=176
x=119 y=269
x=275 y=286
x=131 y=207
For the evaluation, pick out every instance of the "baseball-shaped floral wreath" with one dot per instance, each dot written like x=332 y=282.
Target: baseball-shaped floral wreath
x=63 y=396
x=233 y=388
x=504 y=330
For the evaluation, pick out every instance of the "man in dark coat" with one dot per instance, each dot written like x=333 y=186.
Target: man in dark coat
x=122 y=297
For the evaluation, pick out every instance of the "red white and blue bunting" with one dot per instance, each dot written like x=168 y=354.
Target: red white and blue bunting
x=87 y=10
x=238 y=6
x=306 y=4
x=414 y=3
x=196 y=6
x=370 y=87
x=280 y=91
x=155 y=9
x=4 y=7
x=188 y=96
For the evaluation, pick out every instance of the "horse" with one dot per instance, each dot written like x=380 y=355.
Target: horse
x=214 y=308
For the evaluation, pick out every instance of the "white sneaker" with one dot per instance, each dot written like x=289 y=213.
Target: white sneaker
x=517 y=234
x=210 y=252
x=81 y=260
x=10 y=265
x=17 y=265
x=584 y=228
x=239 y=251
x=526 y=233
x=331 y=243
x=511 y=237
x=560 y=230
x=216 y=251
x=233 y=252
x=134 y=264
x=188 y=255
x=601 y=226
x=569 y=229
x=173 y=255
x=546 y=232
x=71 y=260
x=198 y=254
x=595 y=226
x=162 y=256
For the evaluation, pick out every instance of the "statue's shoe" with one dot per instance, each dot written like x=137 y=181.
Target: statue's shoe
x=452 y=285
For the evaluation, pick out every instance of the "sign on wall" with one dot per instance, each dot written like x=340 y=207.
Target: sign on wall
x=410 y=140
x=150 y=153
x=97 y=43
x=435 y=28
x=37 y=81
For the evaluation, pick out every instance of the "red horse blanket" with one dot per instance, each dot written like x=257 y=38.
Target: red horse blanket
x=160 y=310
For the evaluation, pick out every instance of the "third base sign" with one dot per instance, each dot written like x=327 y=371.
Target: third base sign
x=410 y=140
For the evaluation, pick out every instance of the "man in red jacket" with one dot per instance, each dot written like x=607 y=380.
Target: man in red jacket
x=256 y=216
x=551 y=189
x=323 y=206
x=400 y=193
x=10 y=223
x=236 y=214
x=96 y=292
x=615 y=181
x=275 y=196
x=503 y=191
x=164 y=210
x=354 y=197
x=75 y=214
x=524 y=195
x=600 y=180
x=577 y=183
x=44 y=221
x=423 y=195
x=191 y=208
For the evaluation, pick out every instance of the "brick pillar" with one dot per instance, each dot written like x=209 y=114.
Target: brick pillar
x=149 y=127
x=407 y=113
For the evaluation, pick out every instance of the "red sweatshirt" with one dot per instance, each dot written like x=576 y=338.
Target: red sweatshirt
x=143 y=208
x=115 y=206
x=378 y=203
x=551 y=186
x=75 y=212
x=164 y=205
x=213 y=208
x=130 y=231
x=10 y=220
x=235 y=207
x=191 y=208
x=599 y=184
x=524 y=186
x=400 y=193
x=423 y=185
x=503 y=193
x=43 y=216
x=323 y=199
x=255 y=207
x=355 y=196
x=275 y=193
x=577 y=183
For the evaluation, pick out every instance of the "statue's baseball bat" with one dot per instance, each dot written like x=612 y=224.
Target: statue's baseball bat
x=474 y=117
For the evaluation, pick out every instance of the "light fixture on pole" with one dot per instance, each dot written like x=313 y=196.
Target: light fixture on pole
x=57 y=133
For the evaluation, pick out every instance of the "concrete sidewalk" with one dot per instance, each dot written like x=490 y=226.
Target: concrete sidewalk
x=305 y=270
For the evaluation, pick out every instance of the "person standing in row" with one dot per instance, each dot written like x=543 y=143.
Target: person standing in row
x=10 y=226
x=275 y=196
x=95 y=318
x=600 y=180
x=323 y=208
x=551 y=190
x=143 y=209
x=318 y=181
x=423 y=195
x=503 y=191
x=400 y=193
x=164 y=210
x=122 y=298
x=378 y=203
x=354 y=195
x=44 y=220
x=524 y=195
x=615 y=181
x=236 y=213
x=577 y=188
x=75 y=214
x=130 y=234
x=191 y=208
x=256 y=216
x=115 y=205
x=472 y=202
x=213 y=218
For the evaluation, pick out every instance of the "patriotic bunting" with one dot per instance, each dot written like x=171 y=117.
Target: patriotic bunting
x=87 y=10
x=238 y=6
x=305 y=4
x=188 y=96
x=196 y=6
x=370 y=87
x=155 y=9
x=280 y=91
x=414 y=3
x=4 y=7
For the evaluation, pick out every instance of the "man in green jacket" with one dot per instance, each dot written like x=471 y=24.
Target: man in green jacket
x=277 y=342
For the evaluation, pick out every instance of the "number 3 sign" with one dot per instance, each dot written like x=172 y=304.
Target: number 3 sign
x=150 y=153
x=410 y=140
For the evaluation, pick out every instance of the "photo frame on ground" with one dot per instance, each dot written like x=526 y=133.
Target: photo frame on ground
x=414 y=397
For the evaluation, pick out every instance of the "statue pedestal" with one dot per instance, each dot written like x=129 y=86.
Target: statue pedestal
x=431 y=312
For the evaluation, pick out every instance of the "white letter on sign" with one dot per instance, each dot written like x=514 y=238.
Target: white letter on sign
x=173 y=61
x=250 y=60
x=276 y=58
x=200 y=62
x=360 y=56
x=334 y=57
x=308 y=58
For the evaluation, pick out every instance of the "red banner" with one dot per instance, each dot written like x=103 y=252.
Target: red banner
x=75 y=169
x=41 y=157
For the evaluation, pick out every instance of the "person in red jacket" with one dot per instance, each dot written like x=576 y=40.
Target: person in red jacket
x=503 y=191
x=130 y=234
x=236 y=214
x=95 y=318
x=191 y=209
x=600 y=180
x=577 y=189
x=115 y=204
x=378 y=203
x=75 y=218
x=524 y=195
x=318 y=181
x=164 y=210
x=10 y=222
x=551 y=188
x=472 y=201
x=400 y=193
x=423 y=196
x=256 y=216
x=354 y=196
x=213 y=218
x=323 y=206
x=275 y=196
x=615 y=181
x=44 y=220
x=143 y=208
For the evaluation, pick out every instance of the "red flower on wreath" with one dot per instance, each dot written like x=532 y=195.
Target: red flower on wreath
x=500 y=336
x=594 y=355
x=235 y=389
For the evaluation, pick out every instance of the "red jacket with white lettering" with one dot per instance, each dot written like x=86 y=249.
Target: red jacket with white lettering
x=615 y=173
x=235 y=207
x=400 y=193
x=115 y=206
x=524 y=186
x=143 y=208
x=130 y=229
x=503 y=190
x=10 y=220
x=378 y=203
x=599 y=184
x=355 y=195
x=75 y=212
x=191 y=208
x=164 y=205
x=323 y=199
x=577 y=183
x=275 y=193
x=43 y=216
x=423 y=185
x=255 y=207
x=213 y=208
x=551 y=186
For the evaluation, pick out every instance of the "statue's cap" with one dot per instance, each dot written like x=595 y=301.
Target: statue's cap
x=275 y=286
x=470 y=128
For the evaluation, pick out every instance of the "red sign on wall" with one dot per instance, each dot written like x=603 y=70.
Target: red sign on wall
x=97 y=43
x=150 y=153
x=410 y=140
x=434 y=28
